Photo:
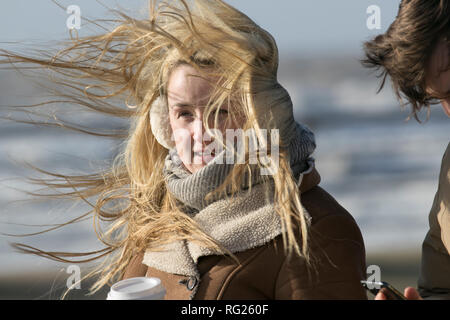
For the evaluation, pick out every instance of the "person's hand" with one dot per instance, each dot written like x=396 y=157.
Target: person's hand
x=410 y=293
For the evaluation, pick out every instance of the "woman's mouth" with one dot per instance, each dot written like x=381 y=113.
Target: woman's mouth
x=205 y=156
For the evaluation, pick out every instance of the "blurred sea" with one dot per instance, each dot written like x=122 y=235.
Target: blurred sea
x=382 y=169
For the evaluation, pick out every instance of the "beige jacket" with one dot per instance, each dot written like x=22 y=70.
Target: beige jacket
x=434 y=281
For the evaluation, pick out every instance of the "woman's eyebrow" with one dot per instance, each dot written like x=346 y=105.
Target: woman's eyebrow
x=190 y=105
x=182 y=104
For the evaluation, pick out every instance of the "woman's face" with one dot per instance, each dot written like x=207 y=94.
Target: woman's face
x=187 y=96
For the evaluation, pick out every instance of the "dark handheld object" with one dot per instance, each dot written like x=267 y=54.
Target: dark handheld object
x=387 y=289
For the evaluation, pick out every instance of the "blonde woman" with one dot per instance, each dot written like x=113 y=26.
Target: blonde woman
x=218 y=192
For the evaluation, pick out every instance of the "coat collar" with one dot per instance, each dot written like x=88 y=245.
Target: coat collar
x=310 y=180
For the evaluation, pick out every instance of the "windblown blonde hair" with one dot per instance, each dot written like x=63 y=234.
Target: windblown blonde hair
x=132 y=63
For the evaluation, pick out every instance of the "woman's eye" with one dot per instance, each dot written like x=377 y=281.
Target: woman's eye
x=188 y=114
x=184 y=114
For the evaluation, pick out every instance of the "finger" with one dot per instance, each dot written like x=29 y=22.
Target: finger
x=412 y=294
x=380 y=296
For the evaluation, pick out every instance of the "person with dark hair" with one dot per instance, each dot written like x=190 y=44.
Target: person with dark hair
x=415 y=53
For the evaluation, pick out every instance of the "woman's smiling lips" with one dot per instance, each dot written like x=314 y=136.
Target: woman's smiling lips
x=205 y=156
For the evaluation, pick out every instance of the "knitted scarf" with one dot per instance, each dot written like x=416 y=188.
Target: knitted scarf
x=246 y=221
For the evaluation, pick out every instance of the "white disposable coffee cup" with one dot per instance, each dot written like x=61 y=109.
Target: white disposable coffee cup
x=139 y=288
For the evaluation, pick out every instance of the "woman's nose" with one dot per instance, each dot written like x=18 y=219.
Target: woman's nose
x=199 y=131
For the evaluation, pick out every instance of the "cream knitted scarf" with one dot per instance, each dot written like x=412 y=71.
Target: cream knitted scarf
x=246 y=221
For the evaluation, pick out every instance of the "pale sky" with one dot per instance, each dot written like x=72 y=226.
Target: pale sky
x=301 y=26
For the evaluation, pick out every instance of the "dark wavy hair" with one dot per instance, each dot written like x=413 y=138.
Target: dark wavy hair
x=403 y=52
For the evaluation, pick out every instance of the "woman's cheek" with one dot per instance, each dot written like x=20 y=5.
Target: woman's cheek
x=183 y=144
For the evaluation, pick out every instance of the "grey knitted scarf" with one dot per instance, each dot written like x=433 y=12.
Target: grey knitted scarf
x=246 y=221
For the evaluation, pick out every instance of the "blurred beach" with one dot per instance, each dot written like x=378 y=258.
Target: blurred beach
x=382 y=169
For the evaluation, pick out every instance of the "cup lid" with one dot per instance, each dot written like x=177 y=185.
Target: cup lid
x=136 y=288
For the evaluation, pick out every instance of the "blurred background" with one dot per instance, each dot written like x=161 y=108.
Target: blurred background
x=381 y=168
